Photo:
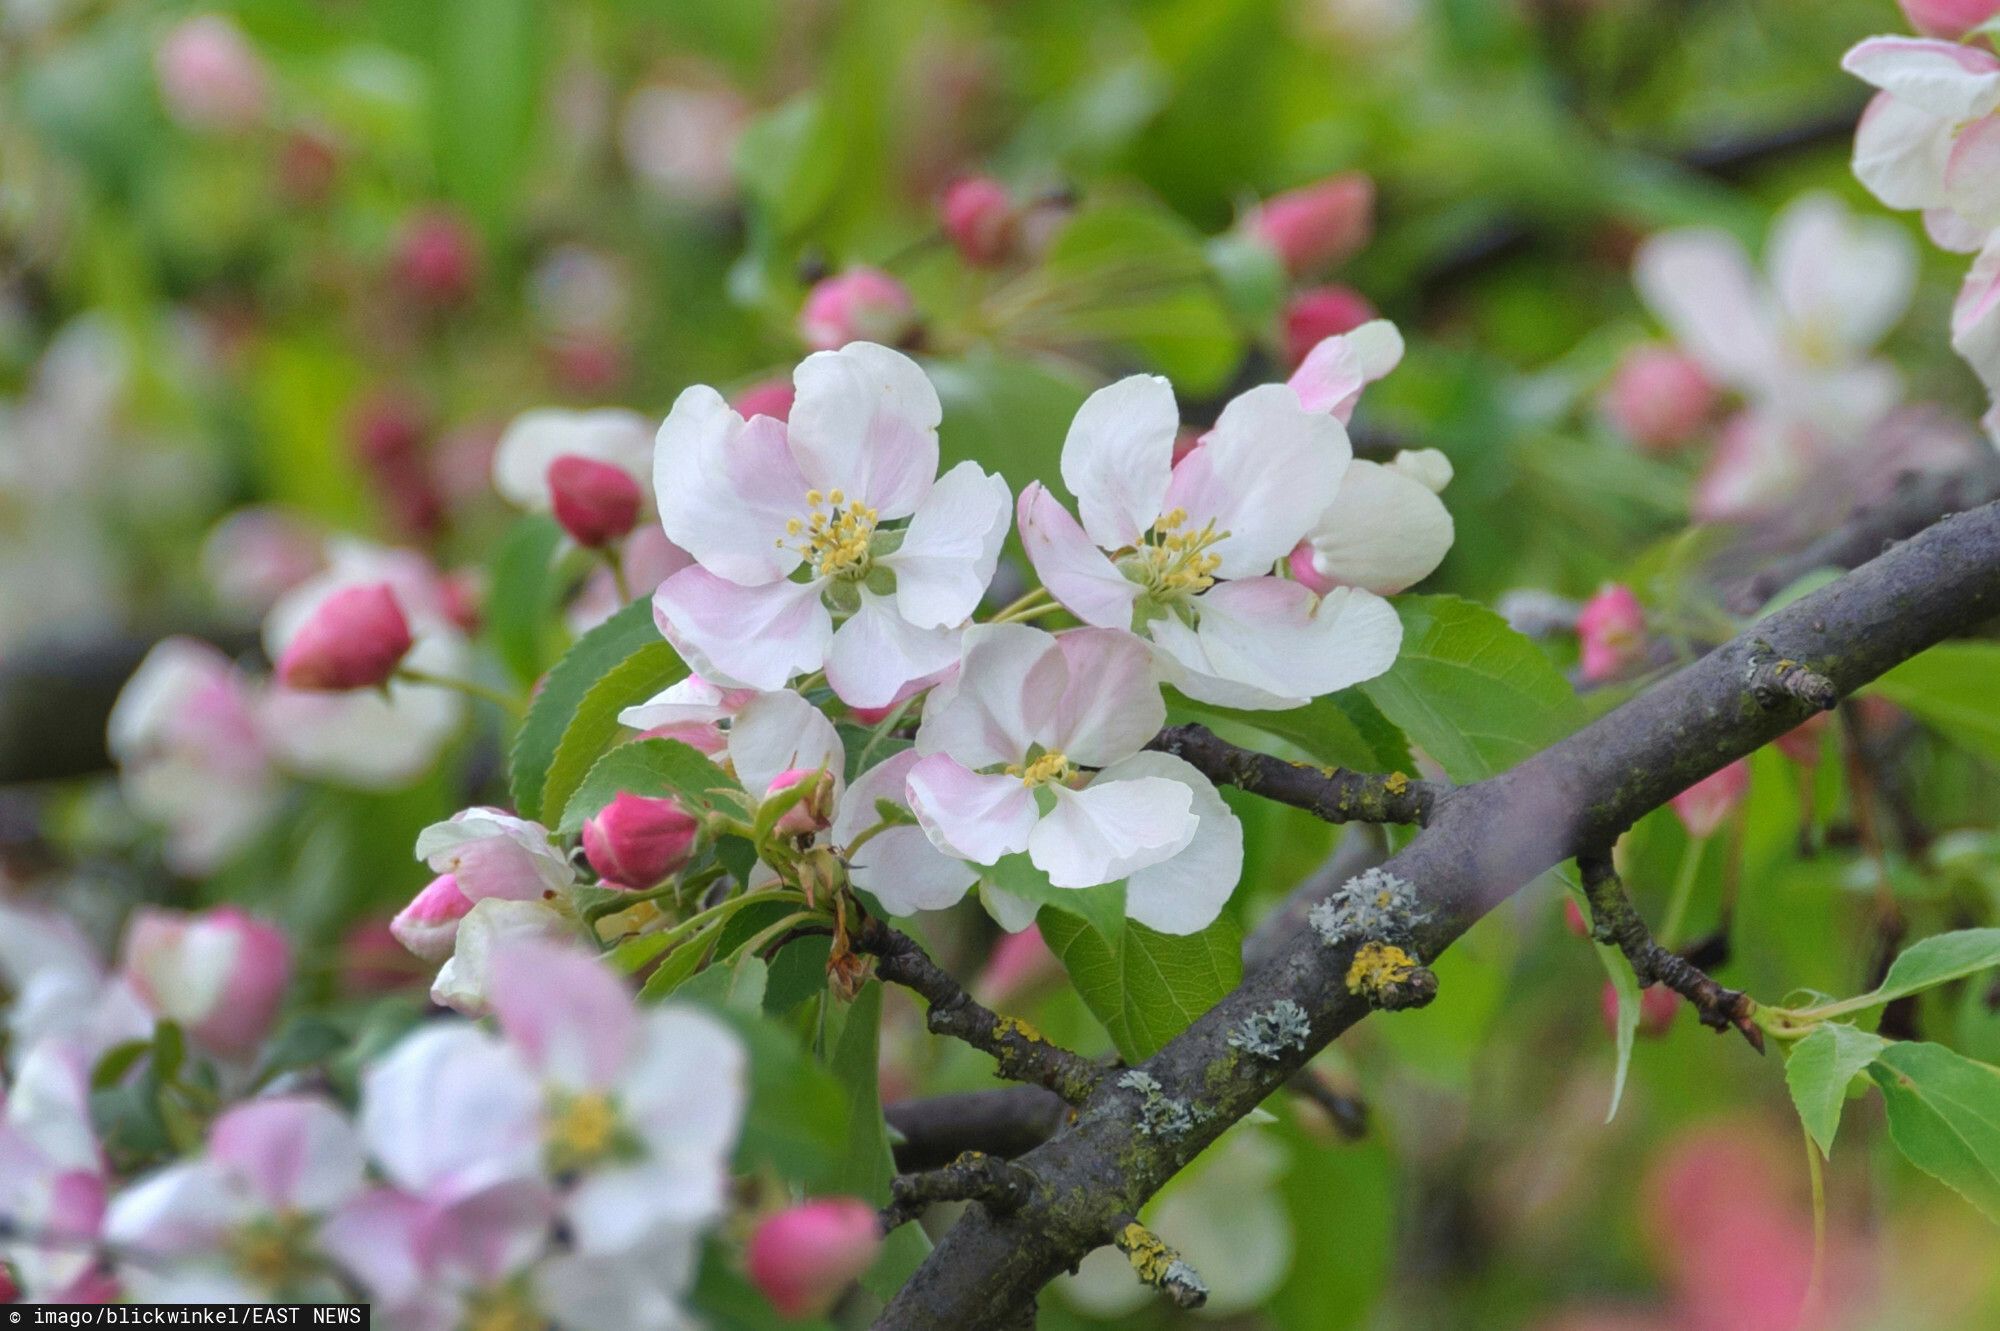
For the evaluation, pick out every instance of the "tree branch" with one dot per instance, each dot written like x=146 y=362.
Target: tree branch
x=996 y=1184
x=1482 y=843
x=1617 y=922
x=1332 y=793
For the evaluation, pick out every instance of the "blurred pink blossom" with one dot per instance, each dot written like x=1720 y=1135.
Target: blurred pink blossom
x=210 y=76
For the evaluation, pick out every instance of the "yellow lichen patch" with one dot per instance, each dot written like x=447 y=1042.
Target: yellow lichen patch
x=1378 y=967
x=1015 y=1026
x=1395 y=783
x=1149 y=1256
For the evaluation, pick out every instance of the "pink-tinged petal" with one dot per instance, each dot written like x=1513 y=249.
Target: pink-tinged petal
x=693 y=700
x=883 y=781
x=452 y=1111
x=536 y=439
x=950 y=548
x=979 y=818
x=1184 y=894
x=183 y=1209
x=1118 y=457
x=1947 y=79
x=295 y=1152
x=906 y=873
x=565 y=1011
x=745 y=637
x=386 y=1240
x=1900 y=151
x=1073 y=569
x=877 y=653
x=781 y=732
x=1111 y=705
x=1972 y=173
x=726 y=487
x=1275 y=636
x=1844 y=278
x=1333 y=373
x=1948 y=231
x=1110 y=829
x=865 y=422
x=1267 y=470
x=1758 y=461
x=1700 y=284
x=1975 y=318
x=1384 y=532
x=494 y=854
x=686 y=1088
x=464 y=983
x=1003 y=701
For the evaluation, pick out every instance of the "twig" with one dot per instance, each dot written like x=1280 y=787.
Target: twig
x=1334 y=794
x=996 y=1184
x=1007 y=1121
x=1617 y=922
x=1020 y=1050
x=1158 y=1265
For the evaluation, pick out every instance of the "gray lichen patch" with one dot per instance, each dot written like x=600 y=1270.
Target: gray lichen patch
x=1268 y=1034
x=1371 y=905
x=1160 y=1115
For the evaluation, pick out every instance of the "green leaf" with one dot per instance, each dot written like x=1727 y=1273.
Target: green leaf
x=1818 y=1071
x=489 y=61
x=1101 y=907
x=1626 y=985
x=1933 y=961
x=739 y=987
x=867 y=1163
x=1944 y=1116
x=1475 y=694
x=1950 y=687
x=1341 y=729
x=518 y=611
x=796 y=1120
x=549 y=715
x=789 y=161
x=651 y=767
x=1146 y=987
x=798 y=972
x=633 y=680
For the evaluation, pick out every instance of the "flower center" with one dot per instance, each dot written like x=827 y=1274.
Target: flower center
x=274 y=1253
x=582 y=1130
x=1051 y=768
x=1174 y=562
x=507 y=1307
x=834 y=536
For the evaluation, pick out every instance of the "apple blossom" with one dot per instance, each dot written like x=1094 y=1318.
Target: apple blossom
x=257 y=554
x=53 y=1177
x=189 y=742
x=220 y=974
x=536 y=442
x=1332 y=375
x=1316 y=225
x=355 y=639
x=59 y=989
x=811 y=811
x=805 y=1257
x=858 y=305
x=1183 y=553
x=757 y=501
x=1948 y=19
x=1659 y=397
x=1386 y=530
x=494 y=854
x=1611 y=631
x=1928 y=138
x=1036 y=747
x=1317 y=313
x=428 y=926
x=239 y=1223
x=1975 y=319
x=1703 y=806
x=980 y=219
x=679 y=138
x=635 y=841
x=464 y=983
x=210 y=76
x=437 y=258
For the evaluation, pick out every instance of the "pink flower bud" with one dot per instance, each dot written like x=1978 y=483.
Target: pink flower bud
x=1948 y=19
x=1018 y=964
x=859 y=305
x=1802 y=743
x=1316 y=225
x=210 y=75
x=635 y=841
x=428 y=926
x=1317 y=313
x=1307 y=573
x=1612 y=632
x=1704 y=805
x=596 y=502
x=814 y=811
x=980 y=219
x=804 y=1258
x=437 y=259
x=221 y=974
x=766 y=397
x=1659 y=397
x=1657 y=1006
x=354 y=640
x=588 y=362
x=373 y=960
x=1573 y=918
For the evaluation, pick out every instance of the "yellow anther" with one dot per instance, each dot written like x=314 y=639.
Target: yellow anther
x=836 y=498
x=814 y=499
x=1050 y=767
x=581 y=1130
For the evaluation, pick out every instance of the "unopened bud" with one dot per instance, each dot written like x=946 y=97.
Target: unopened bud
x=635 y=841
x=814 y=811
x=1704 y=805
x=220 y=974
x=1316 y=225
x=859 y=305
x=1657 y=1006
x=803 y=1258
x=766 y=397
x=1317 y=313
x=428 y=926
x=354 y=640
x=1658 y=398
x=1948 y=19
x=437 y=260
x=1611 y=630
x=980 y=219
x=596 y=503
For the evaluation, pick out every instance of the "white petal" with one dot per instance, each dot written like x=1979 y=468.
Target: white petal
x=1332 y=375
x=1384 y=532
x=1074 y=570
x=726 y=489
x=751 y=637
x=782 y=732
x=535 y=439
x=451 y=1111
x=1003 y=701
x=1010 y=912
x=1112 y=828
x=1111 y=705
x=1838 y=276
x=1266 y=471
x=950 y=548
x=877 y=652
x=1700 y=284
x=1275 y=635
x=1948 y=79
x=979 y=818
x=1900 y=151
x=907 y=873
x=865 y=422
x=1118 y=456
x=1184 y=894
x=1975 y=321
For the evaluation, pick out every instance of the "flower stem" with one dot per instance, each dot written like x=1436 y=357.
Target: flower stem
x=1029 y=600
x=507 y=702
x=616 y=563
x=1677 y=904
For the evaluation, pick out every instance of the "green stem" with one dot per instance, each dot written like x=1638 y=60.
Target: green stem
x=1808 y=1313
x=1677 y=904
x=507 y=702
x=616 y=563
